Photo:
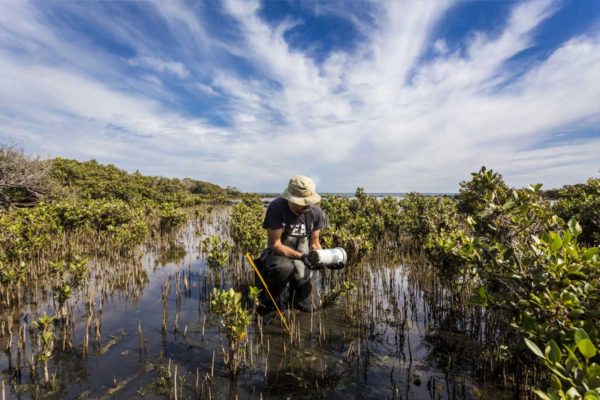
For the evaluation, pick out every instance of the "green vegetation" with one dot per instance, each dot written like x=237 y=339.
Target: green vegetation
x=235 y=319
x=246 y=226
x=69 y=277
x=528 y=263
x=355 y=224
x=534 y=275
x=26 y=233
x=53 y=209
x=217 y=251
x=45 y=329
x=71 y=199
x=573 y=375
x=170 y=217
x=360 y=223
x=423 y=217
x=582 y=202
x=91 y=180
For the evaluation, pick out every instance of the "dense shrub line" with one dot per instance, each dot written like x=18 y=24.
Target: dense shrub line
x=91 y=180
x=74 y=204
x=25 y=232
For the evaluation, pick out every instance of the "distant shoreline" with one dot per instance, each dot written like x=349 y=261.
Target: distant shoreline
x=351 y=194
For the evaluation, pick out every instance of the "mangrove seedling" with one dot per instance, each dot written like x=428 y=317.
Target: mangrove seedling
x=332 y=297
x=44 y=327
x=69 y=278
x=217 y=251
x=227 y=304
x=254 y=296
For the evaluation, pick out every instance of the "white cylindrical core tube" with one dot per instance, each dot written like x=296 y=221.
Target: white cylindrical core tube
x=332 y=256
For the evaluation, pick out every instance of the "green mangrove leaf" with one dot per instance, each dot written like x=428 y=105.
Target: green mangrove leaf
x=580 y=334
x=591 y=395
x=475 y=300
x=47 y=336
x=534 y=348
x=576 y=313
x=483 y=293
x=541 y=394
x=545 y=237
x=589 y=253
x=553 y=352
x=557 y=370
x=575 y=228
x=571 y=357
x=556 y=243
x=484 y=213
x=508 y=204
x=555 y=383
x=593 y=376
x=567 y=237
x=527 y=322
x=586 y=348
x=577 y=275
x=573 y=393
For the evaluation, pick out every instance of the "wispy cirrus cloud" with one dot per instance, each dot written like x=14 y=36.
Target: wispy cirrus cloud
x=161 y=66
x=224 y=92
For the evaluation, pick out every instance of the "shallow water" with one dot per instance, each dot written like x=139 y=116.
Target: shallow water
x=343 y=351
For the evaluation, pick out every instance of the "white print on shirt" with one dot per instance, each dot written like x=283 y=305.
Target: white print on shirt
x=298 y=230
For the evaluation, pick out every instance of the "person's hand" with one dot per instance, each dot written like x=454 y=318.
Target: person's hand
x=306 y=260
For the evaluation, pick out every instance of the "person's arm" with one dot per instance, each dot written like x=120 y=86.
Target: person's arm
x=315 y=241
x=274 y=237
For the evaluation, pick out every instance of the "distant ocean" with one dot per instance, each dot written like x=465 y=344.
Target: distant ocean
x=387 y=194
x=268 y=197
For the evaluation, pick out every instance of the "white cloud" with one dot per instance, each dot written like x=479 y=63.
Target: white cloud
x=171 y=67
x=376 y=116
x=207 y=89
x=440 y=46
x=85 y=119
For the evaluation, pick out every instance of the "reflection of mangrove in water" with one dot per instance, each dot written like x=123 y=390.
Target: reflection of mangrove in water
x=173 y=253
x=142 y=327
x=73 y=332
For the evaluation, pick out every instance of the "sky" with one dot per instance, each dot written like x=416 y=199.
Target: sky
x=392 y=96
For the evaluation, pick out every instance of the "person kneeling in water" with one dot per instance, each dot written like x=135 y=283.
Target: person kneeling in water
x=293 y=222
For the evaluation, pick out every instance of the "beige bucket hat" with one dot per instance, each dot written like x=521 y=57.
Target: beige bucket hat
x=302 y=191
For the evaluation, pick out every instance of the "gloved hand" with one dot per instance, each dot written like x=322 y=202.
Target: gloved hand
x=306 y=260
x=336 y=266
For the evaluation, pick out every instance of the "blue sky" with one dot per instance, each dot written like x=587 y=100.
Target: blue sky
x=391 y=96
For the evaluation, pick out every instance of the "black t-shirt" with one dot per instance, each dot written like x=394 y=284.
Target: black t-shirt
x=279 y=216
